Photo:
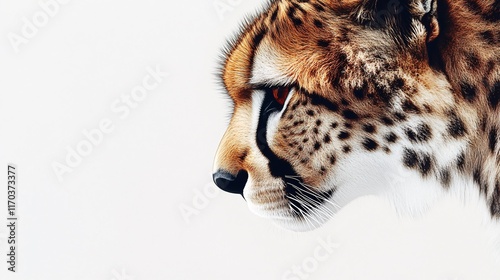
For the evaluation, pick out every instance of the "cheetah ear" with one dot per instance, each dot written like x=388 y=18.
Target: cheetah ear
x=398 y=15
x=430 y=19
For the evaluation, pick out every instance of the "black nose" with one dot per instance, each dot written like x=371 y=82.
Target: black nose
x=230 y=183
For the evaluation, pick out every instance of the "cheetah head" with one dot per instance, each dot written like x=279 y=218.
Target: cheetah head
x=333 y=100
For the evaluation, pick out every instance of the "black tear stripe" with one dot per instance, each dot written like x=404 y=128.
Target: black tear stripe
x=280 y=168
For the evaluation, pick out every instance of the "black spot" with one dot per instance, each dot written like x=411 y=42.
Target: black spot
x=333 y=159
x=350 y=115
x=318 y=7
x=342 y=57
x=398 y=83
x=346 y=149
x=410 y=107
x=370 y=144
x=323 y=43
x=344 y=135
x=488 y=37
x=305 y=140
x=494 y=95
x=322 y=170
x=423 y=133
x=385 y=95
x=412 y=136
x=468 y=91
x=493 y=15
x=348 y=125
x=318 y=122
x=472 y=60
x=428 y=108
x=400 y=116
x=445 y=177
x=456 y=127
x=387 y=121
x=310 y=112
x=317 y=146
x=315 y=130
x=345 y=102
x=297 y=21
x=410 y=158
x=334 y=125
x=391 y=137
x=318 y=23
x=361 y=92
x=327 y=139
x=493 y=139
x=370 y=128
x=298 y=7
x=291 y=13
x=425 y=164
x=477 y=176
x=461 y=162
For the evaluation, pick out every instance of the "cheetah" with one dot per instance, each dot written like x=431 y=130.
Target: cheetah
x=338 y=99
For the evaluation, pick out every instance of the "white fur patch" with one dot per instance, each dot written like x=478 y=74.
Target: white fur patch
x=266 y=67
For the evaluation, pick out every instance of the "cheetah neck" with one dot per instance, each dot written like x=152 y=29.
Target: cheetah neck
x=469 y=52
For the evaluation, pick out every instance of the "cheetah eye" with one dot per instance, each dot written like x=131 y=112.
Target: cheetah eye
x=280 y=94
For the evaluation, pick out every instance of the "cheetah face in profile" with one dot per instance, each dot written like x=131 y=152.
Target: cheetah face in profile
x=334 y=100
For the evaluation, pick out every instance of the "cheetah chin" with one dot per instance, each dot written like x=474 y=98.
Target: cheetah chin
x=338 y=99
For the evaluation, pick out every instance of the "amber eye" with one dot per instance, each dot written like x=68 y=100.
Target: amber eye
x=280 y=94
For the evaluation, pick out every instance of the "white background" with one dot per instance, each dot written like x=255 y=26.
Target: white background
x=117 y=215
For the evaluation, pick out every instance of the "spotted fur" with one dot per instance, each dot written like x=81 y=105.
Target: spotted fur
x=381 y=89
